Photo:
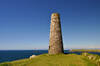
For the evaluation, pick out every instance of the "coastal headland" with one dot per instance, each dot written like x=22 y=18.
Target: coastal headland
x=56 y=60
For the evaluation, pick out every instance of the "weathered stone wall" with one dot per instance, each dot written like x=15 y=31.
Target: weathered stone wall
x=55 y=42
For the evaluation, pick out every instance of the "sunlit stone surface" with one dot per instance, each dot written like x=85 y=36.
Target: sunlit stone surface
x=56 y=42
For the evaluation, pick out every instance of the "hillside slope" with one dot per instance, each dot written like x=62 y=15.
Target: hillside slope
x=52 y=60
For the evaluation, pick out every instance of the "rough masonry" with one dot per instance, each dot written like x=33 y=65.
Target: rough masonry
x=55 y=42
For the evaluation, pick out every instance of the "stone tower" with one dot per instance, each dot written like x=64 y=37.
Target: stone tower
x=55 y=42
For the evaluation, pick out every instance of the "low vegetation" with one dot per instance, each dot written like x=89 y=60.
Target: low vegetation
x=85 y=50
x=53 y=60
x=92 y=57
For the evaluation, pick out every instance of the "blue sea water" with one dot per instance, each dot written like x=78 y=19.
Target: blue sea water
x=10 y=55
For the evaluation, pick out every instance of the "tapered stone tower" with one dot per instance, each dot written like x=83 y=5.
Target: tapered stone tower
x=55 y=42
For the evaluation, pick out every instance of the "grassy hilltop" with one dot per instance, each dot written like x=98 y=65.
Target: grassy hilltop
x=52 y=60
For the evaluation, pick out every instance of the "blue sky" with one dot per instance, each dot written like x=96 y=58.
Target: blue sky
x=25 y=24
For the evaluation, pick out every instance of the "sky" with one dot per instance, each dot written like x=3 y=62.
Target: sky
x=25 y=24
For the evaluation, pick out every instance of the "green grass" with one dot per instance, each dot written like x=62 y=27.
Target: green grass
x=85 y=50
x=52 y=60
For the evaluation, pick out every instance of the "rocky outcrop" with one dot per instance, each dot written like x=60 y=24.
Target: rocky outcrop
x=32 y=56
x=93 y=57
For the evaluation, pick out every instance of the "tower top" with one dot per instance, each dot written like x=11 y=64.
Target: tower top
x=55 y=14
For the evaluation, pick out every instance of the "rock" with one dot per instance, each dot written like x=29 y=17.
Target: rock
x=90 y=57
x=98 y=62
x=94 y=57
x=32 y=56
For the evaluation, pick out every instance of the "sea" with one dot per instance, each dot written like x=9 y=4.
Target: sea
x=11 y=55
